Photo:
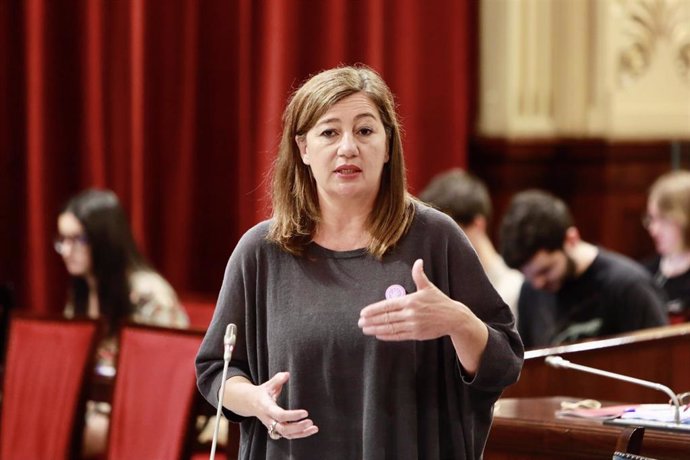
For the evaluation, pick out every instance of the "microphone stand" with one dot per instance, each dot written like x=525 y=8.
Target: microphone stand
x=558 y=362
x=228 y=346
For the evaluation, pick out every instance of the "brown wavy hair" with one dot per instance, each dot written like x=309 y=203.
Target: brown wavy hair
x=296 y=212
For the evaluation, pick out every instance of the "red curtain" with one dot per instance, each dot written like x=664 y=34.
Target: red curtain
x=176 y=104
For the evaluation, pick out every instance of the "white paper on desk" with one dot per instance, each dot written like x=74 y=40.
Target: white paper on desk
x=601 y=413
x=658 y=412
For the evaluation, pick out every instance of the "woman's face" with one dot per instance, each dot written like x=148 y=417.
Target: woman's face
x=666 y=233
x=72 y=244
x=346 y=150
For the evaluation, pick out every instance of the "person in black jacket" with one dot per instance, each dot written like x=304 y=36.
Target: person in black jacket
x=575 y=290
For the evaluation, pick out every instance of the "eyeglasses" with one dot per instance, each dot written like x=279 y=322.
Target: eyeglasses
x=76 y=241
x=649 y=219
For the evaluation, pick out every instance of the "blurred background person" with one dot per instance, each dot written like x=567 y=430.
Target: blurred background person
x=109 y=280
x=465 y=198
x=668 y=222
x=575 y=289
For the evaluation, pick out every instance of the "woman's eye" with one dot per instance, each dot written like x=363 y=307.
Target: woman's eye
x=328 y=133
x=366 y=131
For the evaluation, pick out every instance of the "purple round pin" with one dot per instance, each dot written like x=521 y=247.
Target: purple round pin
x=395 y=290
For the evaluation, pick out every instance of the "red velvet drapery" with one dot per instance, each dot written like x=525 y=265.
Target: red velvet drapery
x=176 y=106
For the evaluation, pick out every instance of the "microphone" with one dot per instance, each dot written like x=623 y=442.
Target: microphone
x=558 y=362
x=228 y=346
x=229 y=341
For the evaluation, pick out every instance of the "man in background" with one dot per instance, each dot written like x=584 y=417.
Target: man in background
x=576 y=290
x=466 y=200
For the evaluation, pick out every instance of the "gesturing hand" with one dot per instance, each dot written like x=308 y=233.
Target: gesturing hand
x=423 y=315
x=291 y=424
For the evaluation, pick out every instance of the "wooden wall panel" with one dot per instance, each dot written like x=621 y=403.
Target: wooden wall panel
x=605 y=183
x=657 y=355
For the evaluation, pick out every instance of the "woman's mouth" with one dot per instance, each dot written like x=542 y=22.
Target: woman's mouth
x=347 y=170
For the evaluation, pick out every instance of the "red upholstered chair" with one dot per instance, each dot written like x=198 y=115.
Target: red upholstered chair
x=155 y=394
x=199 y=309
x=44 y=391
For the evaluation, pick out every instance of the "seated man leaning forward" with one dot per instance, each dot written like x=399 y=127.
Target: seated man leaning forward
x=575 y=290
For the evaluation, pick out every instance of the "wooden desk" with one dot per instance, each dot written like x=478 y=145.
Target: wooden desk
x=659 y=355
x=527 y=428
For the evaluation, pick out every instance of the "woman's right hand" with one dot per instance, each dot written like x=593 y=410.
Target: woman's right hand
x=246 y=399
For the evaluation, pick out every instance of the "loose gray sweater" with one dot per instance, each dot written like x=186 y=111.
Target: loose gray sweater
x=370 y=399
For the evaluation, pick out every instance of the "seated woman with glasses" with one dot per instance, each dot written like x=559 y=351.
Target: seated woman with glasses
x=668 y=223
x=110 y=280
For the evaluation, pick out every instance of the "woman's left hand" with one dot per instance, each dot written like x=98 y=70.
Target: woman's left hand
x=423 y=315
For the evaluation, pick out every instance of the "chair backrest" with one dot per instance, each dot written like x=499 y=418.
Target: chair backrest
x=44 y=388
x=6 y=304
x=154 y=393
x=629 y=444
x=625 y=456
x=630 y=440
x=199 y=308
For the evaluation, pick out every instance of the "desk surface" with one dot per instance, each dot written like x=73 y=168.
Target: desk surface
x=527 y=428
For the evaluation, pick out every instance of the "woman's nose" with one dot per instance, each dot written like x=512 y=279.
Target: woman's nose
x=347 y=146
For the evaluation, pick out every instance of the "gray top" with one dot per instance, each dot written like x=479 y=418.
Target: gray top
x=370 y=399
